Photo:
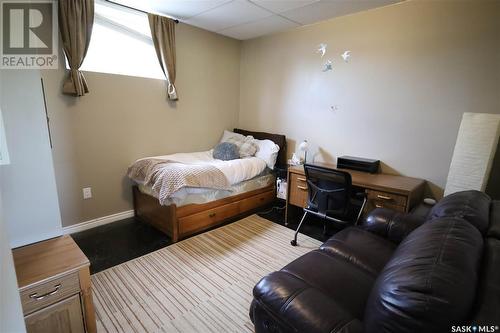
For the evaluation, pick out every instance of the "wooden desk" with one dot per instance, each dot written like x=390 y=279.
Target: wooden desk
x=394 y=192
x=54 y=283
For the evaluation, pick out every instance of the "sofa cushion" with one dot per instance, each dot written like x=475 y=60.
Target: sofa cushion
x=472 y=206
x=390 y=224
x=430 y=282
x=494 y=227
x=337 y=278
x=285 y=303
x=488 y=296
x=358 y=247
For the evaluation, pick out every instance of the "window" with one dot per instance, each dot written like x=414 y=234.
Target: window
x=121 y=43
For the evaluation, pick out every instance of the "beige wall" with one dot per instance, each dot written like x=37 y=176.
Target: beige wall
x=123 y=118
x=415 y=68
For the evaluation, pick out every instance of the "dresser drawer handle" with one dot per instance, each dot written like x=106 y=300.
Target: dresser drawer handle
x=50 y=293
x=301 y=179
x=302 y=188
x=378 y=206
x=211 y=215
x=383 y=197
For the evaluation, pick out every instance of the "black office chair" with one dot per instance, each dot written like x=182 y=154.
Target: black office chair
x=329 y=196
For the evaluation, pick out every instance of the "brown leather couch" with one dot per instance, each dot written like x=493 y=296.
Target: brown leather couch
x=393 y=273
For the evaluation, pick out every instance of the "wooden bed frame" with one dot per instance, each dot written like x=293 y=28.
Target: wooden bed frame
x=180 y=222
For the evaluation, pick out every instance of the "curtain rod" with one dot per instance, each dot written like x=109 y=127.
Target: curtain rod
x=137 y=10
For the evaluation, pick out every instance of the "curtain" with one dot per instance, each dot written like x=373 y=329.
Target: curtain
x=76 y=18
x=163 y=34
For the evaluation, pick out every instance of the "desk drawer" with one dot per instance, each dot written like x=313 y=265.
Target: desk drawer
x=37 y=297
x=387 y=198
x=372 y=204
x=298 y=190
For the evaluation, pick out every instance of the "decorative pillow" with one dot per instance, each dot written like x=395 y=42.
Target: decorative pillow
x=267 y=150
x=248 y=148
x=228 y=135
x=245 y=144
x=226 y=151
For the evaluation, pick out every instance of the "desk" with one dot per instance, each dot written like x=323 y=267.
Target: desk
x=389 y=191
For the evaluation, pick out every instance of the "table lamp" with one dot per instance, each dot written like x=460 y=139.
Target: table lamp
x=303 y=147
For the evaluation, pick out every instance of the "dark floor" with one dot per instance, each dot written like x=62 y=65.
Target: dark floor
x=115 y=243
x=312 y=227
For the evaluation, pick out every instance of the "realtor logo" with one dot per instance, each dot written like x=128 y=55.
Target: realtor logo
x=29 y=34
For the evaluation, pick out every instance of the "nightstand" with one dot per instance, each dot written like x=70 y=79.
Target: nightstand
x=54 y=283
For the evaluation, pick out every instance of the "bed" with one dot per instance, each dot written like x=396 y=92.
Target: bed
x=191 y=212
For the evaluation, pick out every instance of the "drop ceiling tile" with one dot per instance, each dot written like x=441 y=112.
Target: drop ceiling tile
x=180 y=9
x=228 y=15
x=244 y=19
x=258 y=28
x=279 y=6
x=327 y=9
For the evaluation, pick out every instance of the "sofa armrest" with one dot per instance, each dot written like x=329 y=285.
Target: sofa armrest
x=285 y=303
x=394 y=226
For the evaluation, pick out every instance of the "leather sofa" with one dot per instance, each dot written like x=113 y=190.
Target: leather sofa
x=394 y=272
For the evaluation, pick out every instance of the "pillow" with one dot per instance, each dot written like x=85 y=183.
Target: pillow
x=226 y=151
x=248 y=148
x=267 y=150
x=228 y=135
x=245 y=144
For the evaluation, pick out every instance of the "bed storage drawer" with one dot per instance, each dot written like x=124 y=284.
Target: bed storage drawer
x=211 y=217
x=199 y=221
x=257 y=201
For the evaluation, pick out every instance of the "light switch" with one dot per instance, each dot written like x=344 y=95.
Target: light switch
x=87 y=192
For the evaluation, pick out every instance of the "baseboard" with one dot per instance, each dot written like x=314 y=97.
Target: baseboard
x=97 y=222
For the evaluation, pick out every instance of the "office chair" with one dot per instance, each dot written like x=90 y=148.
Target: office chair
x=329 y=196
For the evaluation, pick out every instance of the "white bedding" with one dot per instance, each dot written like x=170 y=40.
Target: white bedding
x=195 y=195
x=235 y=171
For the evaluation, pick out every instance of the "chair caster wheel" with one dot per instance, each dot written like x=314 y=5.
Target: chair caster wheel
x=293 y=242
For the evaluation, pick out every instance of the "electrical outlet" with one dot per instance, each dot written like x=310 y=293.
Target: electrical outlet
x=87 y=192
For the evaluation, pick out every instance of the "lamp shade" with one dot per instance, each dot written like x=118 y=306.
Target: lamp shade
x=304 y=145
x=474 y=152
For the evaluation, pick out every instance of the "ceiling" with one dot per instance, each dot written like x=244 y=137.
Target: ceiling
x=245 y=19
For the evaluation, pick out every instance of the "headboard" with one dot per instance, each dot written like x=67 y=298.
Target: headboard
x=279 y=139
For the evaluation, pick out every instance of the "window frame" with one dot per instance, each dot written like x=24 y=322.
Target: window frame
x=111 y=24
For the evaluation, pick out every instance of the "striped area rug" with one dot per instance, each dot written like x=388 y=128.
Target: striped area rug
x=201 y=284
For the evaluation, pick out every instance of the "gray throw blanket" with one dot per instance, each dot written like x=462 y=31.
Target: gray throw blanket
x=166 y=177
